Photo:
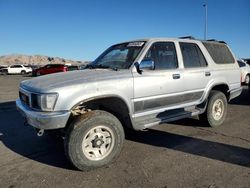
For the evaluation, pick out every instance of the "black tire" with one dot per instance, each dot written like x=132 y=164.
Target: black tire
x=209 y=115
x=85 y=132
x=5 y=72
x=249 y=88
x=23 y=72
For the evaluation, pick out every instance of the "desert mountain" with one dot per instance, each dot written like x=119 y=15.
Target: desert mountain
x=35 y=60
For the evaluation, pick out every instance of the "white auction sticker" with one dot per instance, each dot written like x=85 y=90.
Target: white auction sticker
x=137 y=43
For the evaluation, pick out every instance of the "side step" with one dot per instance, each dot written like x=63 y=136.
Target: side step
x=147 y=121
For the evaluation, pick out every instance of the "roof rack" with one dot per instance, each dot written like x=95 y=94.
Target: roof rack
x=214 y=40
x=187 y=37
x=221 y=41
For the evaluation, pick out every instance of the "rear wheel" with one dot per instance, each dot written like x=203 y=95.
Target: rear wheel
x=94 y=140
x=216 y=110
x=5 y=72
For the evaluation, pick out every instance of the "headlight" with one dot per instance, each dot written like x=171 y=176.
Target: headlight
x=45 y=102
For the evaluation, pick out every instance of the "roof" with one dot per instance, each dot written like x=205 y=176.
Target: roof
x=187 y=38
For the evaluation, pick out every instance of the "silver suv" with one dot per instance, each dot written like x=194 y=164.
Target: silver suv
x=136 y=85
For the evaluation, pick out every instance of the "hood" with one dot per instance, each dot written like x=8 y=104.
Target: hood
x=58 y=80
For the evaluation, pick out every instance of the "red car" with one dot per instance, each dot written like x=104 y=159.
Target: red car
x=50 y=68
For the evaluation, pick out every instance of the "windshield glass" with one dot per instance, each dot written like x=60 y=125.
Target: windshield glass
x=119 y=56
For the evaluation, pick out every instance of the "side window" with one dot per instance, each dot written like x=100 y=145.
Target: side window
x=192 y=55
x=163 y=54
x=241 y=64
x=219 y=52
x=16 y=66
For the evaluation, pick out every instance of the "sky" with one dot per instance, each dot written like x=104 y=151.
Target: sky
x=82 y=29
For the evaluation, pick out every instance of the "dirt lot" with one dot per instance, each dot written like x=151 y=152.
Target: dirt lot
x=179 y=154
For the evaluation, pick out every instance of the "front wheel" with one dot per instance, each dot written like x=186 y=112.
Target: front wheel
x=23 y=72
x=94 y=140
x=216 y=110
x=38 y=73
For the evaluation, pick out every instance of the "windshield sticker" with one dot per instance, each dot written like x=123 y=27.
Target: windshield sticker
x=139 y=44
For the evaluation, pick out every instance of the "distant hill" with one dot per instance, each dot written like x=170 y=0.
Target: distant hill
x=35 y=60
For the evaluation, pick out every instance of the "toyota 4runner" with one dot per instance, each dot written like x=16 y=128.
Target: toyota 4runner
x=134 y=84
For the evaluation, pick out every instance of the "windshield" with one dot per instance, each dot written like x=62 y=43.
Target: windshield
x=119 y=56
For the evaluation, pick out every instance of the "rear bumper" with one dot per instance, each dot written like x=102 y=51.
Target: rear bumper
x=235 y=93
x=43 y=120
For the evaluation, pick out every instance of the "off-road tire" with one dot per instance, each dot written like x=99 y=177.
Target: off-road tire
x=79 y=131
x=208 y=116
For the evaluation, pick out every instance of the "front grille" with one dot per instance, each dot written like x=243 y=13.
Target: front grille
x=24 y=98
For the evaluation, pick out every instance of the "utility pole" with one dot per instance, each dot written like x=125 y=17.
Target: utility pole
x=205 y=29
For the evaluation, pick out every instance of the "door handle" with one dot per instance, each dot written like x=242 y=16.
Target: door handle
x=176 y=76
x=207 y=74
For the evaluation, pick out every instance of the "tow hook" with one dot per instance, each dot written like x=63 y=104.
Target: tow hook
x=40 y=132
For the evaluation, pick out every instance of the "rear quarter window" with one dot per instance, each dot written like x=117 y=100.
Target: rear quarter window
x=219 y=52
x=241 y=64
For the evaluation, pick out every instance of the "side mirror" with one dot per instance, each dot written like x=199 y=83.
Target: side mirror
x=147 y=64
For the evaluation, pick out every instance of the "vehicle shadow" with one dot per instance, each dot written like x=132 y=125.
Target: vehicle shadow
x=28 y=75
x=190 y=122
x=23 y=140
x=195 y=146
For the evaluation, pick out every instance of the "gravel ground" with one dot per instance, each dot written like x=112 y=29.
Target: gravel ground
x=184 y=153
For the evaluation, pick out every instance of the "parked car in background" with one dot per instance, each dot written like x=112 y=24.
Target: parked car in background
x=73 y=67
x=3 y=66
x=83 y=66
x=50 y=68
x=245 y=72
x=247 y=61
x=16 y=69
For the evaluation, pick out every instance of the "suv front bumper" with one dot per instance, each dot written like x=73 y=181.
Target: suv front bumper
x=43 y=120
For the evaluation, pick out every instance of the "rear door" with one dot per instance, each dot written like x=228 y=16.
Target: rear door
x=159 y=88
x=196 y=73
x=44 y=70
x=55 y=68
x=14 y=69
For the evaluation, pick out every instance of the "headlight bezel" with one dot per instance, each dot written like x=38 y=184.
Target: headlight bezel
x=44 y=101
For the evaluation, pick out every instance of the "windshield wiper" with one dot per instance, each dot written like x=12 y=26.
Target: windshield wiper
x=100 y=66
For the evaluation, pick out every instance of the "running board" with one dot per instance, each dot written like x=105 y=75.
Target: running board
x=147 y=121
